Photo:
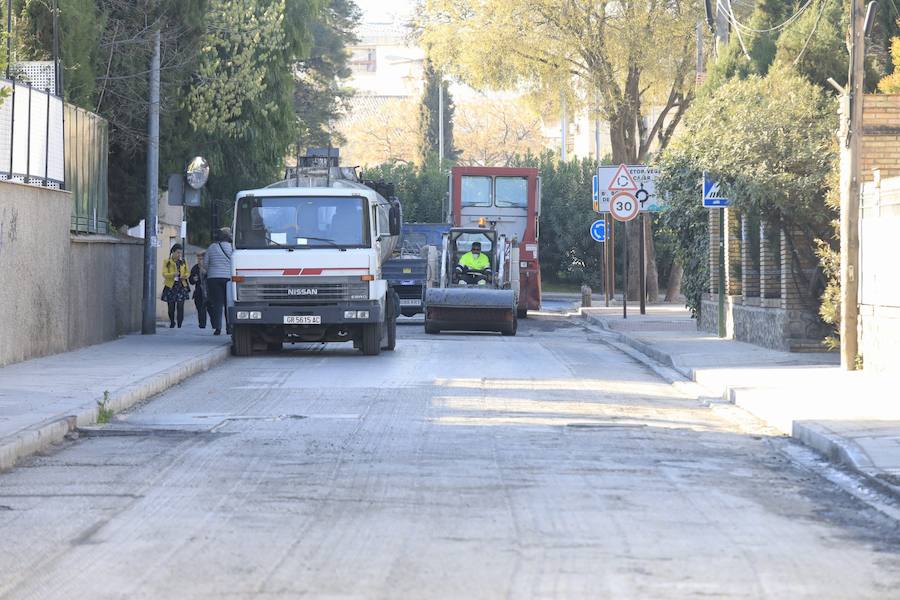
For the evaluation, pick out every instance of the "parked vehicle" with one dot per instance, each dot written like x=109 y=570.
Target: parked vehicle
x=411 y=270
x=308 y=258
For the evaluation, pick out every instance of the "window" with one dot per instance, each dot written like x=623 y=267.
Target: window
x=362 y=60
x=475 y=191
x=511 y=191
x=304 y=222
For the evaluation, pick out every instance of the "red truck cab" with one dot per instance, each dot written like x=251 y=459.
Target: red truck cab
x=507 y=199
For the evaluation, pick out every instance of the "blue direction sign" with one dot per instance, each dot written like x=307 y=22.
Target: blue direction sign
x=712 y=194
x=598 y=230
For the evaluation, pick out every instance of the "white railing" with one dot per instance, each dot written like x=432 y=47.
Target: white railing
x=32 y=139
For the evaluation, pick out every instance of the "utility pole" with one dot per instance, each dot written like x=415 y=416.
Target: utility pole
x=723 y=10
x=8 y=40
x=148 y=323
x=851 y=117
x=57 y=79
x=441 y=120
x=563 y=127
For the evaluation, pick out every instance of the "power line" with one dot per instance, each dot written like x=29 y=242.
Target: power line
x=812 y=31
x=734 y=21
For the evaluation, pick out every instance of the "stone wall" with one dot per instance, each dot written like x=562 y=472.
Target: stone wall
x=34 y=262
x=60 y=291
x=763 y=326
x=105 y=288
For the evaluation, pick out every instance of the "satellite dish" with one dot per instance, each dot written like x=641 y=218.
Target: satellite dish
x=197 y=172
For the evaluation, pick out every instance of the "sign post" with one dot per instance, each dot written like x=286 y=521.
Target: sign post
x=712 y=198
x=642 y=270
x=610 y=260
x=640 y=182
x=624 y=207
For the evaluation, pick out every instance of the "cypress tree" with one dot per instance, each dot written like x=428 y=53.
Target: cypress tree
x=429 y=116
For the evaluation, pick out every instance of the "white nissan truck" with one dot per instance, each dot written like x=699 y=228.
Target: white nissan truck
x=307 y=261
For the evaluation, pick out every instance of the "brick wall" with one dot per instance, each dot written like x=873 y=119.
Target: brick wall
x=881 y=130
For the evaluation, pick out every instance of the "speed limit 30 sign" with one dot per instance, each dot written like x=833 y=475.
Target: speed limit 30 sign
x=624 y=206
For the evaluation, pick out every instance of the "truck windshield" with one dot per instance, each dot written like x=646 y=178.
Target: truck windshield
x=301 y=222
x=476 y=191
x=511 y=191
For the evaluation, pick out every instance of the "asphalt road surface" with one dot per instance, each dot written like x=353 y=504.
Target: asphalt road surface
x=459 y=466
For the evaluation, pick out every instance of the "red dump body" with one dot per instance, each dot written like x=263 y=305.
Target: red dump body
x=509 y=199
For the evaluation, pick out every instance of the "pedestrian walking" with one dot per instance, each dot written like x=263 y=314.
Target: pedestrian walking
x=218 y=274
x=175 y=285
x=201 y=292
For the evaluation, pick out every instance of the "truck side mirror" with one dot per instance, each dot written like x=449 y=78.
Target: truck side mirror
x=394 y=220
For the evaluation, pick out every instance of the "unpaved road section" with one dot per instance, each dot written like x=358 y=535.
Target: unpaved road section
x=460 y=466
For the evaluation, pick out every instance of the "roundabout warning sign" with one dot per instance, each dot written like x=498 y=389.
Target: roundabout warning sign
x=624 y=206
x=639 y=180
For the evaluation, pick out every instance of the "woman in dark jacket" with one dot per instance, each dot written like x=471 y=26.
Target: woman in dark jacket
x=201 y=295
x=218 y=273
x=175 y=285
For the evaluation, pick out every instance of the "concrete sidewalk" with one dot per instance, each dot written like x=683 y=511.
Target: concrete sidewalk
x=43 y=399
x=853 y=418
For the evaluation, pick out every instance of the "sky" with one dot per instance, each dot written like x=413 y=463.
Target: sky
x=374 y=10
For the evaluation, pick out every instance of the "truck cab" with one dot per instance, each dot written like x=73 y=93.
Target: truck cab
x=307 y=265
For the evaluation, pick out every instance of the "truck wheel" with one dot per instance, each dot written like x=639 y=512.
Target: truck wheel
x=391 y=334
x=371 y=339
x=511 y=328
x=242 y=340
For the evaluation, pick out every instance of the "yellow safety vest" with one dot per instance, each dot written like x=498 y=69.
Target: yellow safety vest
x=474 y=263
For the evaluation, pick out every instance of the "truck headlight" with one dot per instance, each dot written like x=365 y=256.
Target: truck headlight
x=356 y=314
x=243 y=314
x=255 y=314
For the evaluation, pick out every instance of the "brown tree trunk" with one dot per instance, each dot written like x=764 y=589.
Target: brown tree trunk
x=673 y=290
x=634 y=259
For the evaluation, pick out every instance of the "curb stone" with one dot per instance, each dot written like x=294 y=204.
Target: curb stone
x=51 y=431
x=663 y=368
x=813 y=435
x=842 y=451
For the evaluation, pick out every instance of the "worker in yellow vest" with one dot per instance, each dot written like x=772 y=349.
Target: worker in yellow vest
x=474 y=267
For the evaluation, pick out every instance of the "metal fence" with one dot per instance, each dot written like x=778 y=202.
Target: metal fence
x=87 y=152
x=46 y=142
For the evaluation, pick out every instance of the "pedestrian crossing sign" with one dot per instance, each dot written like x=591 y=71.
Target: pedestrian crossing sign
x=712 y=194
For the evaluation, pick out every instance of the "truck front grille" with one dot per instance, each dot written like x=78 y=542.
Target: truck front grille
x=302 y=293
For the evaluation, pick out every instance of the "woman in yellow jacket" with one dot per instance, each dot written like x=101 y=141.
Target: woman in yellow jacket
x=175 y=281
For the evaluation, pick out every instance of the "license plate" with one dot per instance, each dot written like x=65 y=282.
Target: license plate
x=410 y=302
x=302 y=320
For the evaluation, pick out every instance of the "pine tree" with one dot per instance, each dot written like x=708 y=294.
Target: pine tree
x=429 y=129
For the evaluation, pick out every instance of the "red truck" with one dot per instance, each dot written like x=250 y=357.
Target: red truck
x=507 y=199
